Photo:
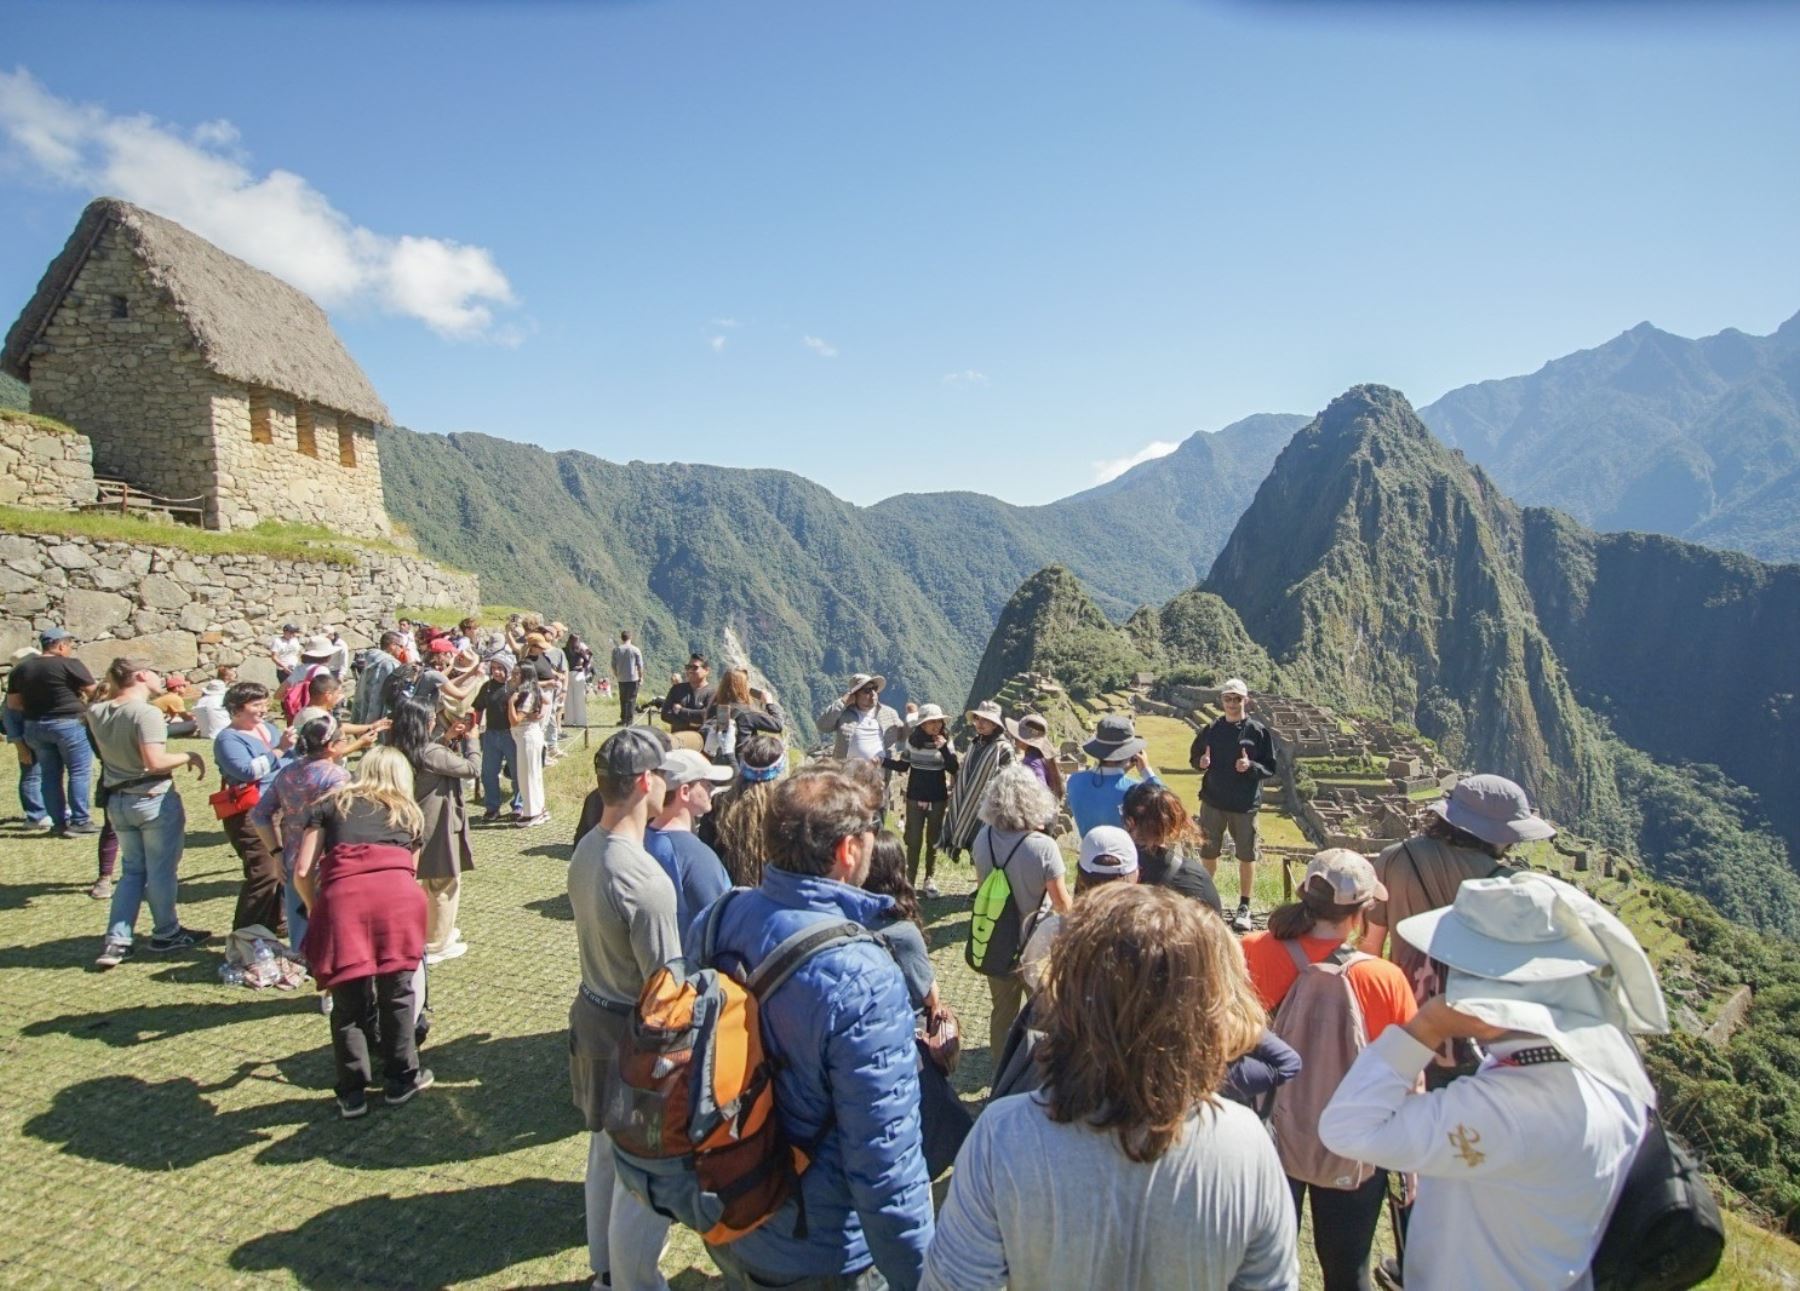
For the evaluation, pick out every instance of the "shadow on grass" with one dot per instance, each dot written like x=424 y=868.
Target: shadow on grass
x=557 y=851
x=556 y=907
x=953 y=932
x=139 y=1024
x=18 y=896
x=165 y=1125
x=65 y=952
x=433 y=1239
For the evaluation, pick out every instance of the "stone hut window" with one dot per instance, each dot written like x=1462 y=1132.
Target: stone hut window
x=261 y=430
x=304 y=433
x=347 y=441
x=121 y=307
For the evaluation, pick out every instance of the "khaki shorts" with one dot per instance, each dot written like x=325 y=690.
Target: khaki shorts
x=1215 y=824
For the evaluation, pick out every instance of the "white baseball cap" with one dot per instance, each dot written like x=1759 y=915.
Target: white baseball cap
x=685 y=766
x=1108 y=851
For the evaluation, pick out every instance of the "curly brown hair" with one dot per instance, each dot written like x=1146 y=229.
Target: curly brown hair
x=1155 y=817
x=741 y=836
x=1144 y=1011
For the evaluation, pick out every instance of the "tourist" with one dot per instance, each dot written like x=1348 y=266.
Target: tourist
x=1015 y=812
x=840 y=1034
x=50 y=690
x=1031 y=738
x=446 y=852
x=558 y=660
x=928 y=760
x=227 y=673
x=210 y=714
x=284 y=652
x=740 y=831
x=1127 y=1169
x=468 y=632
x=1234 y=755
x=366 y=931
x=694 y=868
x=172 y=704
x=1339 y=885
x=684 y=707
x=1107 y=856
x=324 y=696
x=31 y=772
x=339 y=662
x=1519 y=1164
x=861 y=727
x=1097 y=794
x=315 y=770
x=902 y=927
x=581 y=672
x=1163 y=830
x=986 y=754
x=733 y=717
x=499 y=751
x=409 y=641
x=628 y=672
x=250 y=752
x=525 y=713
x=371 y=686
x=581 y=659
x=625 y=930
x=137 y=778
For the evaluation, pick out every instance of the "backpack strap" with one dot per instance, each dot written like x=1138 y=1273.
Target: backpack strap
x=782 y=962
x=709 y=937
x=1301 y=962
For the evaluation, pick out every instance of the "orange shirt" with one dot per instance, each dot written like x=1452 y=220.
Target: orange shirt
x=1381 y=988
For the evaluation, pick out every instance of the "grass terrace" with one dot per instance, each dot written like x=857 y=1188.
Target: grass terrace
x=278 y=541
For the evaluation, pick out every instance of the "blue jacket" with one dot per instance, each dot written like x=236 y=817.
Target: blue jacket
x=841 y=1032
x=243 y=758
x=1097 y=797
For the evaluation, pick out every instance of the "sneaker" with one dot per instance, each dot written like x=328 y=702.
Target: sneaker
x=85 y=827
x=185 y=939
x=455 y=950
x=43 y=826
x=930 y=890
x=325 y=1003
x=421 y=1081
x=351 y=1106
x=112 y=954
x=102 y=890
x=1241 y=921
x=456 y=934
x=489 y=817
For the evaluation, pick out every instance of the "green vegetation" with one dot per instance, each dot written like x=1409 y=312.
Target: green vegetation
x=1051 y=626
x=1199 y=630
x=490 y=615
x=13 y=393
x=279 y=541
x=42 y=423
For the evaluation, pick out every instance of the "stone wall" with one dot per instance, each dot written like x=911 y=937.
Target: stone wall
x=47 y=469
x=269 y=470
x=186 y=610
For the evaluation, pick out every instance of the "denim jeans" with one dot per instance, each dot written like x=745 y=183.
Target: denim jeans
x=150 y=828
x=496 y=756
x=31 y=778
x=61 y=743
x=291 y=904
x=741 y=1277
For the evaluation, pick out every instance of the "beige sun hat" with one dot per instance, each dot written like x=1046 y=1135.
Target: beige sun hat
x=988 y=711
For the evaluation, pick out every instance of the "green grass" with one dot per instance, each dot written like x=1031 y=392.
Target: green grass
x=35 y=419
x=490 y=615
x=159 y=1128
x=277 y=541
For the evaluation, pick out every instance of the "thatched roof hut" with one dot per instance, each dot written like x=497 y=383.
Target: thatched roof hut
x=248 y=325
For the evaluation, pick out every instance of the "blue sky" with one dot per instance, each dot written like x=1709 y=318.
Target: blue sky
x=918 y=246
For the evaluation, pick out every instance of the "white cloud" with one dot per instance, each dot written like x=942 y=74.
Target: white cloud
x=824 y=349
x=967 y=377
x=1117 y=466
x=276 y=220
x=717 y=343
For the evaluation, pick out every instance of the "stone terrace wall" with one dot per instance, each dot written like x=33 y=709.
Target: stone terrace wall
x=185 y=610
x=47 y=469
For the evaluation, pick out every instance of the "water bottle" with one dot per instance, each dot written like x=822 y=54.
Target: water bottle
x=263 y=969
x=231 y=974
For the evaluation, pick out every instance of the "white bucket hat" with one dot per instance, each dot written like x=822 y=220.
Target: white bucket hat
x=926 y=713
x=1534 y=954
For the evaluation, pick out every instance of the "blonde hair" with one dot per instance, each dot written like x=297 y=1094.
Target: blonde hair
x=385 y=777
x=734 y=687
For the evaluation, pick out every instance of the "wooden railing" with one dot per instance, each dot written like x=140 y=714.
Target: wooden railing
x=125 y=498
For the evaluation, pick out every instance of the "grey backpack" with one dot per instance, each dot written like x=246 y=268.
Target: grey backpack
x=1323 y=1021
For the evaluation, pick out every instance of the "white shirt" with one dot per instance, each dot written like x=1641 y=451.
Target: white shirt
x=1518 y=1167
x=210 y=716
x=864 y=737
x=339 y=663
x=286 y=652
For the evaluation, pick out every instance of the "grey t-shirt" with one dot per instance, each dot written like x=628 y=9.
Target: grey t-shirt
x=1037 y=1204
x=118 y=730
x=624 y=915
x=906 y=944
x=1029 y=869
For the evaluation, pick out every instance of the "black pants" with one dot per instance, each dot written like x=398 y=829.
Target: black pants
x=259 y=900
x=374 y=1013
x=627 y=702
x=1343 y=1228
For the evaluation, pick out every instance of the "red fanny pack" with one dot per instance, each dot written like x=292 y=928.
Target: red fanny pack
x=234 y=799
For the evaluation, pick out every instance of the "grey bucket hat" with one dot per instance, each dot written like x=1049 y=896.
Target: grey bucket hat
x=1494 y=809
x=1115 y=740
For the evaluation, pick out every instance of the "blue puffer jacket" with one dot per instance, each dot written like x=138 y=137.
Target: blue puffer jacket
x=842 y=1031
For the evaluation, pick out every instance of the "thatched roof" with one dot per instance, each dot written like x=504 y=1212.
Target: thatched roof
x=248 y=325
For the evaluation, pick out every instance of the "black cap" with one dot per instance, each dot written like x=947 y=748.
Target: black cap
x=631 y=752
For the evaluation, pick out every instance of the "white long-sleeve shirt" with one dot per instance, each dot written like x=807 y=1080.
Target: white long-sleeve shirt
x=1518 y=1167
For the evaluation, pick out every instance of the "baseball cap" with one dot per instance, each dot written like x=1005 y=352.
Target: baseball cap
x=1108 y=851
x=1235 y=686
x=631 y=752
x=684 y=766
x=175 y=681
x=50 y=636
x=440 y=645
x=1349 y=875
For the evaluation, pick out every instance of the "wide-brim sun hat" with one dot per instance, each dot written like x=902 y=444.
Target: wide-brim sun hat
x=1039 y=742
x=926 y=713
x=859 y=680
x=1494 y=809
x=988 y=711
x=1507 y=931
x=1115 y=740
x=317 y=647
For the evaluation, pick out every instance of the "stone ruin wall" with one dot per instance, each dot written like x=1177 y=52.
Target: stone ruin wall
x=48 y=470
x=282 y=458
x=135 y=386
x=185 y=610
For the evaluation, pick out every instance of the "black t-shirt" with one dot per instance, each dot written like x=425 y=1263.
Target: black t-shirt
x=361 y=821
x=1168 y=868
x=491 y=701
x=542 y=668
x=50 y=685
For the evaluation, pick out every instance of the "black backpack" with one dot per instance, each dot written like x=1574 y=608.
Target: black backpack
x=1666 y=1233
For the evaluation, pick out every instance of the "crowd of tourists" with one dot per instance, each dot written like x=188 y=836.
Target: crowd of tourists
x=759 y=1047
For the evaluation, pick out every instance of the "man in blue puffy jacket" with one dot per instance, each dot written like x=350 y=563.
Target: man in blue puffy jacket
x=841 y=1032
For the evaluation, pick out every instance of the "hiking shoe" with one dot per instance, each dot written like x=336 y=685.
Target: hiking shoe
x=421 y=1081
x=930 y=890
x=351 y=1106
x=102 y=890
x=85 y=827
x=112 y=954
x=455 y=950
x=185 y=939
x=1241 y=921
